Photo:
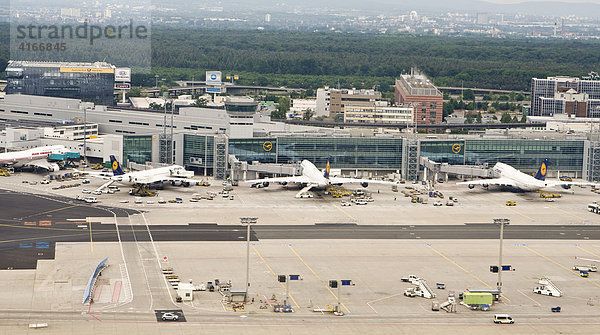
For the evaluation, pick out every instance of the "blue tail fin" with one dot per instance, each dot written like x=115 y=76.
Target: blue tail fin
x=541 y=174
x=327 y=169
x=116 y=167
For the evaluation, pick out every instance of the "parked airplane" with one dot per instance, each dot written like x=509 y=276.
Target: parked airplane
x=313 y=178
x=509 y=176
x=175 y=174
x=35 y=158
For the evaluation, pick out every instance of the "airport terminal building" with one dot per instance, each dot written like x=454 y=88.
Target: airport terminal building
x=208 y=141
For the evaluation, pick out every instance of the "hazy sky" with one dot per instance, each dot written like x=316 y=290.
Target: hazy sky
x=519 y=1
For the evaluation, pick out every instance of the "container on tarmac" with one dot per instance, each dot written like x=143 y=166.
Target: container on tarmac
x=477 y=298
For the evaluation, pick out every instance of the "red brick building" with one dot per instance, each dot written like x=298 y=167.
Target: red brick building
x=417 y=90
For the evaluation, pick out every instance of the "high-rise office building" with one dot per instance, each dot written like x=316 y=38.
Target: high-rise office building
x=565 y=95
x=427 y=100
x=87 y=81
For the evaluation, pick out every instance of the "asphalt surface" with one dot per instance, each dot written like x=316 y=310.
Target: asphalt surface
x=31 y=225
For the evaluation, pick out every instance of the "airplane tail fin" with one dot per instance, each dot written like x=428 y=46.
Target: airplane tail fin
x=116 y=167
x=327 y=168
x=541 y=174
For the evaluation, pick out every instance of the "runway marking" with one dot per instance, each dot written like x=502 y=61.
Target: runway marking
x=587 y=251
x=343 y=211
x=51 y=211
x=273 y=272
x=319 y=278
x=528 y=297
x=29 y=223
x=384 y=298
x=89 y=222
x=45 y=223
x=562 y=266
x=465 y=270
x=38 y=238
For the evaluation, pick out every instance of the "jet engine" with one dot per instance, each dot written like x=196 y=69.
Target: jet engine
x=364 y=184
x=471 y=186
x=266 y=184
x=283 y=183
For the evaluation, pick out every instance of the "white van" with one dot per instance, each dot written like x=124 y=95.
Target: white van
x=503 y=318
x=91 y=200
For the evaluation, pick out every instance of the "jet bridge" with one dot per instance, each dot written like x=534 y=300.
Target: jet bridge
x=241 y=170
x=440 y=171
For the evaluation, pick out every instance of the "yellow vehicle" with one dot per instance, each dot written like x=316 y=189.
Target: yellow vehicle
x=549 y=195
x=511 y=203
x=336 y=195
x=98 y=167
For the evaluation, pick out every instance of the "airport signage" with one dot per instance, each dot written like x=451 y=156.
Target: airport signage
x=123 y=74
x=85 y=70
x=213 y=90
x=213 y=77
x=123 y=86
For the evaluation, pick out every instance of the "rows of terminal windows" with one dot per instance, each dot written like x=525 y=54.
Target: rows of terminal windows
x=115 y=121
x=19 y=112
x=139 y=123
x=42 y=114
x=167 y=126
x=119 y=131
x=198 y=150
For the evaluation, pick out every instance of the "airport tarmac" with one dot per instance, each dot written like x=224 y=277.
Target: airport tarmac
x=52 y=293
x=373 y=245
x=276 y=205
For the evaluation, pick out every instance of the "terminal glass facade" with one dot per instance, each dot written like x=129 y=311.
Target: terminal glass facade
x=526 y=154
x=137 y=149
x=198 y=151
x=451 y=152
x=52 y=82
x=345 y=153
x=263 y=150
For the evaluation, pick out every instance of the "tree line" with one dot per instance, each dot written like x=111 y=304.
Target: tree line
x=312 y=60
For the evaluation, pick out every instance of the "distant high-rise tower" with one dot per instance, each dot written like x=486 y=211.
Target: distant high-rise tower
x=414 y=16
x=267 y=17
x=482 y=18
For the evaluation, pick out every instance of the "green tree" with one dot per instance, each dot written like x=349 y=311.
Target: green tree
x=308 y=115
x=283 y=104
x=469 y=118
x=134 y=92
x=200 y=102
x=278 y=115
x=469 y=95
x=478 y=118
x=505 y=118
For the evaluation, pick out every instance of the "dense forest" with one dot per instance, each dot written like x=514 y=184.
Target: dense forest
x=310 y=60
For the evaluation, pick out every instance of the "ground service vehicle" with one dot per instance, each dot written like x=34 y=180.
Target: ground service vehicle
x=589 y=268
x=511 y=203
x=503 y=318
x=170 y=317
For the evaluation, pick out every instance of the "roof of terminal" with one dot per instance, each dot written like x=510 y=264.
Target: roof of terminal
x=97 y=65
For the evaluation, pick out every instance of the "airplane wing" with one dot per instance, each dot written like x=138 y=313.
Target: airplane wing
x=342 y=180
x=103 y=175
x=494 y=181
x=553 y=183
x=289 y=179
x=162 y=179
x=43 y=164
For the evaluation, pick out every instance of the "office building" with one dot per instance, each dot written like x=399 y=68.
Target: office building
x=569 y=96
x=417 y=90
x=379 y=113
x=86 y=81
x=331 y=101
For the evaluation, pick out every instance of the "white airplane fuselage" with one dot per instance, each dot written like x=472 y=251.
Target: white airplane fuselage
x=521 y=180
x=146 y=176
x=310 y=170
x=19 y=158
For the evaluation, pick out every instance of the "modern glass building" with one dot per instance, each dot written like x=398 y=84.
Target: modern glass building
x=137 y=149
x=526 y=154
x=344 y=152
x=86 y=81
x=263 y=150
x=198 y=152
